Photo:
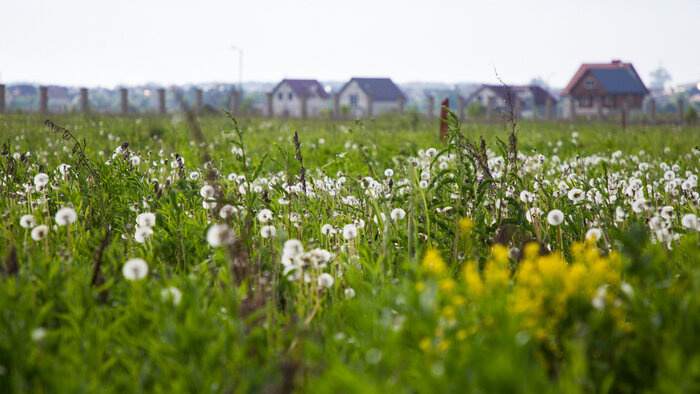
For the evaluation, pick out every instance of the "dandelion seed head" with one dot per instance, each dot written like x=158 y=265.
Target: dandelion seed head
x=220 y=235
x=65 y=216
x=27 y=221
x=39 y=232
x=135 y=269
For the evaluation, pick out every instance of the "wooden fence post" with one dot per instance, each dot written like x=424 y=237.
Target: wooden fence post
x=124 y=101
x=43 y=99
x=234 y=102
x=161 y=101
x=400 y=104
x=2 y=98
x=652 y=111
x=303 y=105
x=270 y=112
x=198 y=101
x=84 y=107
x=370 y=104
x=336 y=106
x=431 y=107
x=548 y=106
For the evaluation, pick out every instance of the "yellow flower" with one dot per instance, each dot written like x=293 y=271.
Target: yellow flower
x=472 y=279
x=446 y=285
x=420 y=286
x=465 y=226
x=424 y=344
x=500 y=253
x=433 y=263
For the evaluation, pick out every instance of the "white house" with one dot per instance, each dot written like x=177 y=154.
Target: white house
x=298 y=98
x=531 y=99
x=370 y=96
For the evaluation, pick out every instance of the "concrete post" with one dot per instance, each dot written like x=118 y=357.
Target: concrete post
x=599 y=108
x=268 y=106
x=679 y=113
x=2 y=98
x=623 y=116
x=124 y=101
x=489 y=108
x=652 y=111
x=336 y=106
x=431 y=107
x=400 y=104
x=548 y=106
x=370 y=104
x=84 y=108
x=572 y=108
x=234 y=102
x=518 y=107
x=44 y=99
x=303 y=105
x=460 y=108
x=198 y=101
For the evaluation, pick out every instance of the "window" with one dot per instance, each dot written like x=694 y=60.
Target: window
x=585 y=101
x=290 y=97
x=279 y=96
x=608 y=101
x=589 y=84
x=353 y=100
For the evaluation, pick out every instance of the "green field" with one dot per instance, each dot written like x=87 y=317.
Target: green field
x=173 y=254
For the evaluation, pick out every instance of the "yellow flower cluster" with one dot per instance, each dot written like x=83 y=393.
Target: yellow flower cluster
x=548 y=290
x=433 y=263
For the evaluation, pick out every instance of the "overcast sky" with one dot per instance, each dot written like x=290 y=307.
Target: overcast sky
x=108 y=43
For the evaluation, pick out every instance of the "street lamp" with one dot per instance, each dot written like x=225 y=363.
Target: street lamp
x=240 y=68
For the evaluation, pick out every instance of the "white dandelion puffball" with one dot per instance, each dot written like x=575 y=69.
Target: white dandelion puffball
x=532 y=214
x=327 y=229
x=135 y=160
x=265 y=216
x=41 y=180
x=555 y=217
x=227 y=211
x=690 y=221
x=135 y=269
x=220 y=235
x=292 y=248
x=593 y=234
x=27 y=221
x=388 y=172
x=397 y=214
x=207 y=191
x=349 y=292
x=142 y=233
x=39 y=232
x=423 y=184
x=349 y=231
x=576 y=195
x=146 y=219
x=268 y=231
x=66 y=215
x=325 y=280
x=172 y=294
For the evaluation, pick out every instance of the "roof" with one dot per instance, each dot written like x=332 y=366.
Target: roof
x=310 y=87
x=381 y=89
x=618 y=75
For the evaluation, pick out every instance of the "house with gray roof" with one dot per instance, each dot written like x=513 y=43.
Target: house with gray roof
x=298 y=98
x=371 y=96
x=600 y=89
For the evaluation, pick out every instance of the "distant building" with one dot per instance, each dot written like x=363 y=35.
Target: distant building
x=381 y=93
x=599 y=89
x=532 y=99
x=287 y=97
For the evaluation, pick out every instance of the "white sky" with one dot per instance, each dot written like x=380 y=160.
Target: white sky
x=106 y=43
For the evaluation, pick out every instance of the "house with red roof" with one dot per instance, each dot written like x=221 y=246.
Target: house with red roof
x=601 y=89
x=532 y=99
x=371 y=96
x=298 y=98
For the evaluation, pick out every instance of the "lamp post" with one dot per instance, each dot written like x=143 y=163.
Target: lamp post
x=240 y=69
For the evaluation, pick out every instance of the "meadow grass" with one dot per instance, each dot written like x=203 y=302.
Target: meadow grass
x=224 y=255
